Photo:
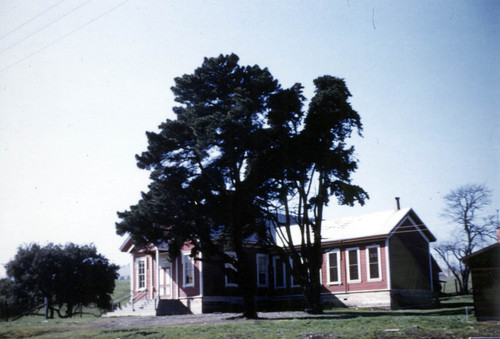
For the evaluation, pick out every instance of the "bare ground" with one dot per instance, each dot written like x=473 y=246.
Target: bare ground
x=118 y=322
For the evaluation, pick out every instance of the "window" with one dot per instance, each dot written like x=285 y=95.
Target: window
x=292 y=282
x=230 y=281
x=333 y=266
x=353 y=273
x=373 y=260
x=261 y=270
x=187 y=270
x=279 y=273
x=141 y=273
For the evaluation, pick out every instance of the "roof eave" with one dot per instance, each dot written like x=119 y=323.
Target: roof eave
x=478 y=252
x=421 y=225
x=355 y=240
x=127 y=244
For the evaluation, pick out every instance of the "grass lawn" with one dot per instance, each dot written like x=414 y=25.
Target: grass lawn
x=446 y=322
x=122 y=288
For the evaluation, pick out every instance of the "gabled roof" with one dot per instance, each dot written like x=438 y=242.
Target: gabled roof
x=373 y=225
x=370 y=225
x=487 y=256
x=128 y=245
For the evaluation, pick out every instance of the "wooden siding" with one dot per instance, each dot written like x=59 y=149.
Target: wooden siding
x=486 y=287
x=183 y=290
x=409 y=259
x=364 y=285
x=485 y=271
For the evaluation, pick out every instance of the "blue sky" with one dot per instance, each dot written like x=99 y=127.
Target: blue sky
x=81 y=82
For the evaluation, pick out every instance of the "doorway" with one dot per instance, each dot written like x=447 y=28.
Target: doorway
x=165 y=282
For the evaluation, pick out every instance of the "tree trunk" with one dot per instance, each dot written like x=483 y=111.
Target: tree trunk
x=465 y=281
x=249 y=306
x=316 y=260
x=246 y=282
x=313 y=300
x=312 y=293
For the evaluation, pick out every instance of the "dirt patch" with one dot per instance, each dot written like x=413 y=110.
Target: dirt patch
x=210 y=318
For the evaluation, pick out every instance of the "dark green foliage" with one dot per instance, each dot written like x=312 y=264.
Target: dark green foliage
x=200 y=191
x=12 y=300
x=305 y=160
x=241 y=152
x=69 y=276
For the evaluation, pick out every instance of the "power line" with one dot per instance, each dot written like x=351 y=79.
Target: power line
x=30 y=20
x=64 y=36
x=45 y=26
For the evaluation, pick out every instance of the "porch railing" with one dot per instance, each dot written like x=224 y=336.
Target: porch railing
x=117 y=302
x=138 y=297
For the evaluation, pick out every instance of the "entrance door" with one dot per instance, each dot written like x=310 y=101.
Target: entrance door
x=165 y=283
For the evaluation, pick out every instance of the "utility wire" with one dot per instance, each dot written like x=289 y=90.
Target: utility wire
x=30 y=20
x=45 y=26
x=64 y=36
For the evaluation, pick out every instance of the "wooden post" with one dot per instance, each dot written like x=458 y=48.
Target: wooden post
x=46 y=304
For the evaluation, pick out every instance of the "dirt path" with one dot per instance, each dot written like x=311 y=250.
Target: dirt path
x=117 y=322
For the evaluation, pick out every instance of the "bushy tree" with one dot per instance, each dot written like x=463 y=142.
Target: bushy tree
x=464 y=208
x=239 y=146
x=68 y=276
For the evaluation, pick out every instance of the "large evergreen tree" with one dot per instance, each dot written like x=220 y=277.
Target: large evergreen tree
x=305 y=161
x=241 y=152
x=200 y=191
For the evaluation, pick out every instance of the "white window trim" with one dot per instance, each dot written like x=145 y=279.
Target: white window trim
x=185 y=257
x=283 y=270
x=349 y=280
x=338 y=282
x=228 y=265
x=292 y=283
x=137 y=262
x=259 y=255
x=379 y=264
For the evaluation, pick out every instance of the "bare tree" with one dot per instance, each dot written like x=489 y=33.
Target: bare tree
x=463 y=207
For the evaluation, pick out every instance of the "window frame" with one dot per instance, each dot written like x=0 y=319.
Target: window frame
x=229 y=265
x=143 y=261
x=283 y=272
x=185 y=259
x=328 y=267
x=368 y=263
x=348 y=265
x=266 y=264
x=292 y=283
